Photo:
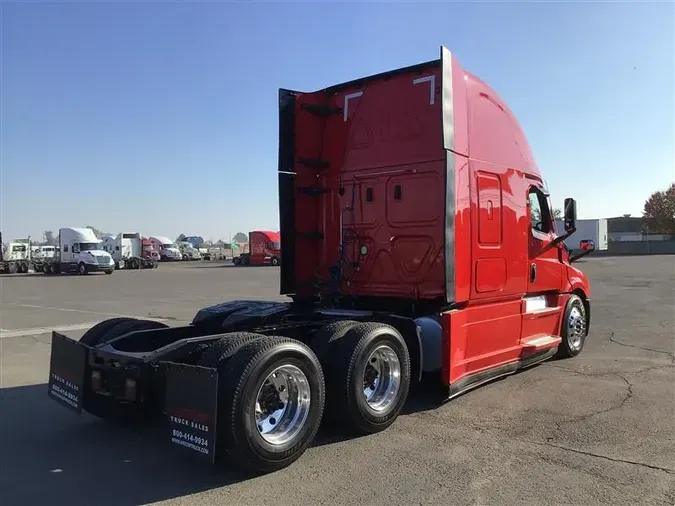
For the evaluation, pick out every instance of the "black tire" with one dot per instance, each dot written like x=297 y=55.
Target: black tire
x=24 y=267
x=325 y=338
x=132 y=325
x=109 y=271
x=347 y=405
x=274 y=261
x=240 y=380
x=574 y=328
x=236 y=261
x=93 y=336
x=222 y=350
x=135 y=264
x=82 y=268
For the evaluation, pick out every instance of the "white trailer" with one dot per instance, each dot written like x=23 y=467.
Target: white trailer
x=44 y=251
x=587 y=230
x=80 y=251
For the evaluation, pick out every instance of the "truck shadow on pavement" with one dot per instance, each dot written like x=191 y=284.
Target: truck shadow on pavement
x=49 y=455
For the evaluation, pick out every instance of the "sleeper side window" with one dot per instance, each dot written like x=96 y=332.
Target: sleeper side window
x=540 y=214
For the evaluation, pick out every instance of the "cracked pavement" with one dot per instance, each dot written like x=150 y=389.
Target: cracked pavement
x=596 y=429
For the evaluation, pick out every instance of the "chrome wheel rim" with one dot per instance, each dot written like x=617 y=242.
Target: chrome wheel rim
x=576 y=328
x=381 y=378
x=282 y=404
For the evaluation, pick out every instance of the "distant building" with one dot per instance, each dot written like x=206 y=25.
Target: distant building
x=628 y=228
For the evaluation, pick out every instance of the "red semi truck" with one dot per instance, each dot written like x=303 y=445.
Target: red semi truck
x=418 y=242
x=264 y=249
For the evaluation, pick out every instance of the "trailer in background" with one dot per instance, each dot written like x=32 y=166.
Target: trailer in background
x=588 y=232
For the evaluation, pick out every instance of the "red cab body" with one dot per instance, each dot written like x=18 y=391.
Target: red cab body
x=264 y=247
x=417 y=189
x=148 y=249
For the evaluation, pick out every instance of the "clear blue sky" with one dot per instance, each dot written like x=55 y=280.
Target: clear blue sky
x=162 y=117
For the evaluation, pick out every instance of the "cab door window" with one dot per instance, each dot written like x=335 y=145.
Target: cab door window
x=540 y=214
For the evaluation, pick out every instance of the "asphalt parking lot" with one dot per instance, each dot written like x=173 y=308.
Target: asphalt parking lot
x=597 y=429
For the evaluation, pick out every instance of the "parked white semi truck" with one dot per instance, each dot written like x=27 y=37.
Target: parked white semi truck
x=166 y=247
x=188 y=251
x=80 y=251
x=16 y=258
x=127 y=251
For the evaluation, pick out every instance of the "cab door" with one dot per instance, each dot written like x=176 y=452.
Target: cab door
x=545 y=270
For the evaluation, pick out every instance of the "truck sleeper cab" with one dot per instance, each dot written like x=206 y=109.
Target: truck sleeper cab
x=79 y=251
x=166 y=248
x=264 y=249
x=418 y=242
x=127 y=251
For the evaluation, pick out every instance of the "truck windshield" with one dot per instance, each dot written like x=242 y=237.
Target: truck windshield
x=168 y=245
x=90 y=246
x=147 y=247
x=275 y=245
x=18 y=248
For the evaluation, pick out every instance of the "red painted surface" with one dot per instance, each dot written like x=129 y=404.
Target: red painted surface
x=264 y=246
x=385 y=202
x=148 y=249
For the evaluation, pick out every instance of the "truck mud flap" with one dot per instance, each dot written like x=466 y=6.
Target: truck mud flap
x=67 y=369
x=191 y=405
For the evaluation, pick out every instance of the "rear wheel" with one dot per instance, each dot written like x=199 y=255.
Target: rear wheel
x=222 y=350
x=93 y=336
x=368 y=378
x=271 y=400
x=327 y=335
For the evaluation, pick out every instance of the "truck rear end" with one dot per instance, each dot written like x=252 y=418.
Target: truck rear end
x=360 y=169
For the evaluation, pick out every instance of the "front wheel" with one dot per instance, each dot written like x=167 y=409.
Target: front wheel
x=574 y=328
x=82 y=268
x=270 y=404
x=275 y=261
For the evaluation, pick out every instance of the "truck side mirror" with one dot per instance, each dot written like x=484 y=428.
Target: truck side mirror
x=570 y=215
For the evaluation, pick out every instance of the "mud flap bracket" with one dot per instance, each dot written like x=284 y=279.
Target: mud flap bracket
x=67 y=370
x=191 y=406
